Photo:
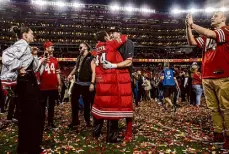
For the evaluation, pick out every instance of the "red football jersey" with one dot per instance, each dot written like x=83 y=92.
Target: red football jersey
x=215 y=54
x=49 y=76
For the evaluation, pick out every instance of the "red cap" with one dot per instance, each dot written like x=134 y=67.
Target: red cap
x=48 y=44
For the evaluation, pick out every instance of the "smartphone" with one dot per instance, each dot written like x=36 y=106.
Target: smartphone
x=46 y=55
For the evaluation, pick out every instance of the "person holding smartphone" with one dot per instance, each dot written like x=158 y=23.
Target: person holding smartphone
x=50 y=82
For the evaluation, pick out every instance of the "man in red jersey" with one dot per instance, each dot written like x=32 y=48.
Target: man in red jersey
x=113 y=99
x=50 y=82
x=215 y=72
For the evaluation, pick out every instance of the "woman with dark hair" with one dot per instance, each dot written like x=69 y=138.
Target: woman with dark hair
x=18 y=68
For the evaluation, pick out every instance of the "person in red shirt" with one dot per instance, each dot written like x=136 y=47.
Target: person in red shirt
x=113 y=99
x=50 y=82
x=215 y=72
x=196 y=84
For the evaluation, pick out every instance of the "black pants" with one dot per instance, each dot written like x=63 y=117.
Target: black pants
x=30 y=114
x=2 y=99
x=13 y=104
x=154 y=92
x=183 y=93
x=98 y=125
x=88 y=99
x=112 y=129
x=49 y=98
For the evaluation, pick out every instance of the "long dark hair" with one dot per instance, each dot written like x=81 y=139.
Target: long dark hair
x=100 y=36
x=20 y=30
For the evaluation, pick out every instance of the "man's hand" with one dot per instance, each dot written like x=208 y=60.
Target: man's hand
x=91 y=88
x=109 y=65
x=59 y=88
x=178 y=88
x=70 y=77
x=189 y=20
x=34 y=50
x=22 y=71
x=43 y=60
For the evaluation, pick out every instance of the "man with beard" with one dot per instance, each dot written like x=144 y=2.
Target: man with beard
x=84 y=85
x=50 y=82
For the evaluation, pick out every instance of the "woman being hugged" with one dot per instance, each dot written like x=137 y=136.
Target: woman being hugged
x=19 y=67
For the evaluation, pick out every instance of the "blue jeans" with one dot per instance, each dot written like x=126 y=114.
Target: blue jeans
x=198 y=91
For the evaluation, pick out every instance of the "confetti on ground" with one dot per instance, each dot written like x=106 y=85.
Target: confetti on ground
x=188 y=130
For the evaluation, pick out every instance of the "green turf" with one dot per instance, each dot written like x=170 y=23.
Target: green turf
x=155 y=131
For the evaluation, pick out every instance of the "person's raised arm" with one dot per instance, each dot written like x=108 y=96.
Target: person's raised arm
x=200 y=30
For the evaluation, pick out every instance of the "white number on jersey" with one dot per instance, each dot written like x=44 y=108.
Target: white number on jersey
x=49 y=68
x=101 y=59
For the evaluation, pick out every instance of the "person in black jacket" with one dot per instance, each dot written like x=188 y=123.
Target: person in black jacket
x=84 y=85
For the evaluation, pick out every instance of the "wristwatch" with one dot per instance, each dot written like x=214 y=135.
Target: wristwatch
x=93 y=83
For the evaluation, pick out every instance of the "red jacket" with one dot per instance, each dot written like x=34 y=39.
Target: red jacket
x=113 y=99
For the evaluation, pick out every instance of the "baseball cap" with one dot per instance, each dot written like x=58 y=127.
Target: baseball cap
x=114 y=29
x=48 y=44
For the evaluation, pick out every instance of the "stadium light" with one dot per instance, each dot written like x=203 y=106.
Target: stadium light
x=76 y=4
x=176 y=11
x=223 y=9
x=39 y=2
x=194 y=10
x=209 y=9
x=145 y=10
x=115 y=7
x=60 y=4
x=56 y=3
x=129 y=9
